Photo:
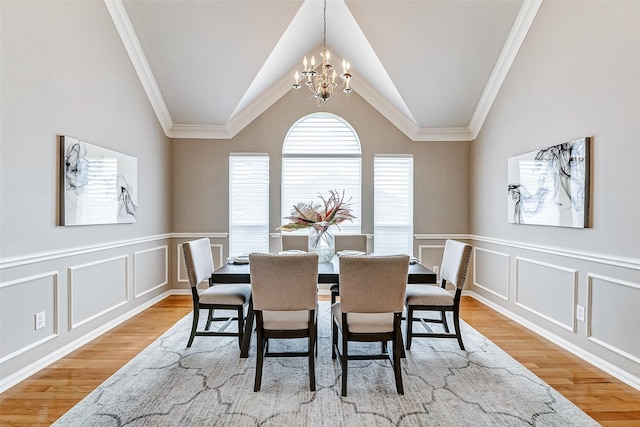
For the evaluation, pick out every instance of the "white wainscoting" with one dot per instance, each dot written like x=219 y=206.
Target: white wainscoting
x=431 y=257
x=491 y=272
x=150 y=270
x=547 y=290
x=37 y=293
x=96 y=288
x=613 y=315
x=181 y=270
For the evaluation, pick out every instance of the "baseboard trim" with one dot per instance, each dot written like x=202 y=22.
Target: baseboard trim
x=42 y=363
x=588 y=357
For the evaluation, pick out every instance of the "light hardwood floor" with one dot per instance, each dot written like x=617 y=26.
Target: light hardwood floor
x=47 y=395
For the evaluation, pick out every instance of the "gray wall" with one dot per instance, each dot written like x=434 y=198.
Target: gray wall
x=577 y=74
x=65 y=72
x=201 y=169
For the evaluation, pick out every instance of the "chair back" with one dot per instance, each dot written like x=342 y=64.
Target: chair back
x=295 y=242
x=198 y=259
x=373 y=284
x=455 y=262
x=284 y=282
x=354 y=242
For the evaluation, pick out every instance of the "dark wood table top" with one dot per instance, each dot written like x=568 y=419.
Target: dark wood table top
x=328 y=272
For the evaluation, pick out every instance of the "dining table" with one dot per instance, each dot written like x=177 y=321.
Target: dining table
x=328 y=272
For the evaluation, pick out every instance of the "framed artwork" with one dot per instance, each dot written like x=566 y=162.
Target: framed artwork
x=550 y=186
x=98 y=185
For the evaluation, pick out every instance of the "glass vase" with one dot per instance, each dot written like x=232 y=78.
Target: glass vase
x=321 y=241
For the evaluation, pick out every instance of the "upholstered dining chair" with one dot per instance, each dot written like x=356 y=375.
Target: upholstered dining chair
x=199 y=262
x=455 y=264
x=285 y=299
x=372 y=292
x=295 y=242
x=353 y=242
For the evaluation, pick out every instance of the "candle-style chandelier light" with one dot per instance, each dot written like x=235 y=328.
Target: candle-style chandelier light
x=322 y=83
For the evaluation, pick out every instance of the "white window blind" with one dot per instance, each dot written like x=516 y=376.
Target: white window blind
x=248 y=203
x=393 y=205
x=321 y=153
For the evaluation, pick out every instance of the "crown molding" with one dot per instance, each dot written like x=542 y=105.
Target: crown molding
x=136 y=55
x=404 y=123
x=511 y=47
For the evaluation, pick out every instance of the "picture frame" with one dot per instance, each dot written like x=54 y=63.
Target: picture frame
x=97 y=185
x=550 y=186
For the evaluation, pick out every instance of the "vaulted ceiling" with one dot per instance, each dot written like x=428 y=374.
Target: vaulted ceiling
x=431 y=67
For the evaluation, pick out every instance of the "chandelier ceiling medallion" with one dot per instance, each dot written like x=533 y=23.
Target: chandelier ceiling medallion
x=322 y=83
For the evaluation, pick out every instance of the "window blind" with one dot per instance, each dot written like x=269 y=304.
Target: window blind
x=393 y=204
x=321 y=152
x=248 y=203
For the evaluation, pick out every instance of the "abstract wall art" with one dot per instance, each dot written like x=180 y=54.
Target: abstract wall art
x=550 y=186
x=98 y=185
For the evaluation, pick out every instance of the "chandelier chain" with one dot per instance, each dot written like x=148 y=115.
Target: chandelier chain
x=322 y=83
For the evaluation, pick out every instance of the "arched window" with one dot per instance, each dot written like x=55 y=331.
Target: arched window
x=321 y=152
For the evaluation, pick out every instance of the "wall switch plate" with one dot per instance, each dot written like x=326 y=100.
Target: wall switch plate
x=40 y=320
x=580 y=313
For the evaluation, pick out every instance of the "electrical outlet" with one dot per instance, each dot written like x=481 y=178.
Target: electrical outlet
x=40 y=320
x=435 y=269
x=580 y=313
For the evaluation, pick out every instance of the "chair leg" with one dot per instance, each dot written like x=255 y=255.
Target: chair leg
x=209 y=320
x=259 y=360
x=343 y=362
x=333 y=297
x=456 y=324
x=334 y=337
x=240 y=325
x=194 y=326
x=311 y=349
x=409 y=326
x=397 y=352
x=443 y=317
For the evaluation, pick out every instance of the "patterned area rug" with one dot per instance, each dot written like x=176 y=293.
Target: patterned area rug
x=209 y=385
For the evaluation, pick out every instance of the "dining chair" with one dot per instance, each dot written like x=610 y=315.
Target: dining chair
x=295 y=242
x=285 y=299
x=354 y=242
x=199 y=262
x=455 y=264
x=372 y=292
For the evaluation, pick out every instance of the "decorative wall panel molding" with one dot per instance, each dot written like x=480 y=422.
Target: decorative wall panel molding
x=37 y=294
x=181 y=271
x=431 y=257
x=612 y=315
x=155 y=277
x=491 y=272
x=70 y=252
x=617 y=261
x=96 y=288
x=547 y=290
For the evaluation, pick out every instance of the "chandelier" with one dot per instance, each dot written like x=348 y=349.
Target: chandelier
x=322 y=83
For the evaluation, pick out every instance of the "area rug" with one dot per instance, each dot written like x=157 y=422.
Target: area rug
x=209 y=385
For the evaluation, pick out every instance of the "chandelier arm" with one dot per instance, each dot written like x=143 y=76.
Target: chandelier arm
x=322 y=84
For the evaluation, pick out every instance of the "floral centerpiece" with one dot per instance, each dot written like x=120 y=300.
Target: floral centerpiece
x=318 y=218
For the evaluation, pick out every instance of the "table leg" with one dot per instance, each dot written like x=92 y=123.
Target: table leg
x=248 y=331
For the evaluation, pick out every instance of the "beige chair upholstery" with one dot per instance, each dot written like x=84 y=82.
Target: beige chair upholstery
x=199 y=262
x=372 y=290
x=285 y=299
x=354 y=242
x=455 y=264
x=295 y=242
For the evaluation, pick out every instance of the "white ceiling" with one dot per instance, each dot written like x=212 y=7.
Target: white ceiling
x=431 y=67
